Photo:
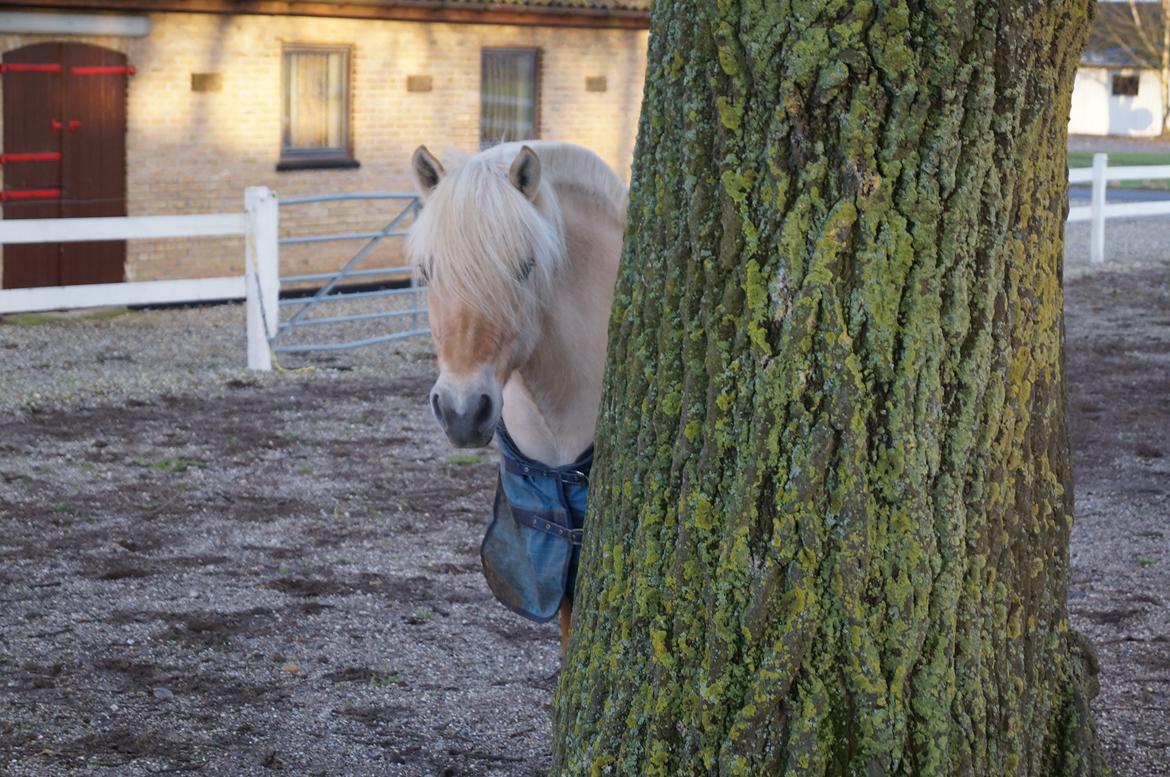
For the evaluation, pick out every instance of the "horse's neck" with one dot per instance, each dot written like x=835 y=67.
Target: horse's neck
x=551 y=403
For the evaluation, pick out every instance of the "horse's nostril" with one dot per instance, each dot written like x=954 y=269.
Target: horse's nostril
x=435 y=407
x=484 y=411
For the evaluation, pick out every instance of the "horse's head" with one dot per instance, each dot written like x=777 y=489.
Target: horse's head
x=487 y=242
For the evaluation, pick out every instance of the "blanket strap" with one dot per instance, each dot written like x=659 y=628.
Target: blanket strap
x=568 y=475
x=536 y=519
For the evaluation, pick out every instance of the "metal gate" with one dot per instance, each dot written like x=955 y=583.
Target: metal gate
x=408 y=300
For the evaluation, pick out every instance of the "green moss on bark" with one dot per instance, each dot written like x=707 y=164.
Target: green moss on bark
x=830 y=514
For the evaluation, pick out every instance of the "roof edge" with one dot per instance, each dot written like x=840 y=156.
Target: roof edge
x=416 y=11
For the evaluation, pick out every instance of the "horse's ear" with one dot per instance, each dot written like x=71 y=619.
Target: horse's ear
x=525 y=172
x=426 y=171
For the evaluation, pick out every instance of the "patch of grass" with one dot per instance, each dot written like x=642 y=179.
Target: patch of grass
x=1125 y=158
x=60 y=319
x=175 y=464
x=382 y=680
x=304 y=469
x=1085 y=158
x=465 y=459
x=1146 y=561
x=420 y=616
x=59 y=507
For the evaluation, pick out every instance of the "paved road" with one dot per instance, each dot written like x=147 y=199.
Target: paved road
x=1117 y=145
x=1080 y=195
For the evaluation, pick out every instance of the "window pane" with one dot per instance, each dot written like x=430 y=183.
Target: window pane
x=508 y=97
x=315 y=96
x=1126 y=86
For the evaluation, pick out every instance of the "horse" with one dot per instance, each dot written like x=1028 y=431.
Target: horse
x=518 y=247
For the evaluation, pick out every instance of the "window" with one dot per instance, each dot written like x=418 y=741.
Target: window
x=509 y=95
x=1125 y=86
x=315 y=111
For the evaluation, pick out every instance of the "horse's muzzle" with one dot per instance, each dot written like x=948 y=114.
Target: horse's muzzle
x=468 y=421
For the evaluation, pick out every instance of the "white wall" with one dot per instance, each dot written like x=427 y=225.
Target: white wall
x=1095 y=111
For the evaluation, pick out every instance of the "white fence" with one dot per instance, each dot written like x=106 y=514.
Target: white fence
x=259 y=284
x=1099 y=175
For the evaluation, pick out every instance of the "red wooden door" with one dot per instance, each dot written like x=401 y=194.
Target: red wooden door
x=64 y=157
x=93 y=150
x=31 y=154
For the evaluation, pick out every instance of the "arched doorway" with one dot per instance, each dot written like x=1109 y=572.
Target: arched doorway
x=64 y=156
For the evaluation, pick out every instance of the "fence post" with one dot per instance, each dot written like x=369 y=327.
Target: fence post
x=415 y=206
x=261 y=274
x=1097 y=233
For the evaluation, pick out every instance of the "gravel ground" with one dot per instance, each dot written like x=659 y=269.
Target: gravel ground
x=207 y=570
x=67 y=360
x=1128 y=243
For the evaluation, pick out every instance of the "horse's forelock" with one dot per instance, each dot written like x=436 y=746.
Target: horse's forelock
x=476 y=235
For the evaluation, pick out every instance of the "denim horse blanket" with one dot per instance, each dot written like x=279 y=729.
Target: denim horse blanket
x=533 y=543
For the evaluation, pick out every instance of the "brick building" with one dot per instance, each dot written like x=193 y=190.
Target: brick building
x=207 y=97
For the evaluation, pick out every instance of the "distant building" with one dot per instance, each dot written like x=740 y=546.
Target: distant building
x=1118 y=90
x=175 y=106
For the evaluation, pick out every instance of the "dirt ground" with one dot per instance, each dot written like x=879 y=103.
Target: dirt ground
x=1118 y=323
x=244 y=576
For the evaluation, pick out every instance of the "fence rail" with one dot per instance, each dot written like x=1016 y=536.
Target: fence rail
x=324 y=276
x=120 y=228
x=1120 y=173
x=1099 y=175
x=256 y=224
x=95 y=295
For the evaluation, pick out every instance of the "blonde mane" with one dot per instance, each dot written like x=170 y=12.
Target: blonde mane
x=480 y=240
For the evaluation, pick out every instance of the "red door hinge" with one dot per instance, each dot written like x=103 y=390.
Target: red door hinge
x=20 y=67
x=30 y=194
x=103 y=70
x=46 y=156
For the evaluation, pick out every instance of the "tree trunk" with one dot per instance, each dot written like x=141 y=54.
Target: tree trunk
x=829 y=524
x=1164 y=68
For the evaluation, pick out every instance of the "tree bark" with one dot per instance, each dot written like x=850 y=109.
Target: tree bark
x=1164 y=68
x=828 y=530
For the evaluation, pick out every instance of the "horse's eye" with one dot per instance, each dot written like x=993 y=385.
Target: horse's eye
x=526 y=269
x=422 y=271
